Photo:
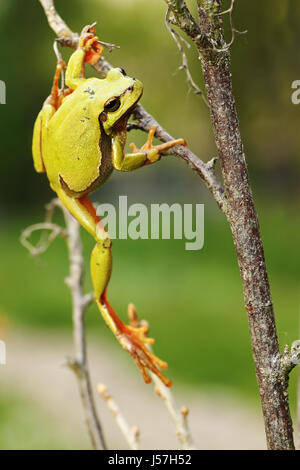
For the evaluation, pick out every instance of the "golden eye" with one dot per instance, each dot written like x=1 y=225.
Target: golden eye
x=112 y=104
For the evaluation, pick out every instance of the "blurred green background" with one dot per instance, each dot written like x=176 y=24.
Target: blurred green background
x=193 y=300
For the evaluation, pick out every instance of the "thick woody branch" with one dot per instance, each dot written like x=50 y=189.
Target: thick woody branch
x=242 y=218
x=143 y=118
x=180 y=43
x=182 y=17
x=234 y=31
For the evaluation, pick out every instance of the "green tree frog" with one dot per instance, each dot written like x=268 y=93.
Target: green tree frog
x=78 y=139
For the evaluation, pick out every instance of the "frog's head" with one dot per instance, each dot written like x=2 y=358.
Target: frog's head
x=121 y=94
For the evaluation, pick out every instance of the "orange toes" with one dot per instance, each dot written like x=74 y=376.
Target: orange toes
x=135 y=341
x=141 y=353
x=94 y=53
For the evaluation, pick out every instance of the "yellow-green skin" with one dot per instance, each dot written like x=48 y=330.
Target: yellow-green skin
x=80 y=144
x=72 y=135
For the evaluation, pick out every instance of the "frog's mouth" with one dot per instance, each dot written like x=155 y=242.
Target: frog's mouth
x=121 y=124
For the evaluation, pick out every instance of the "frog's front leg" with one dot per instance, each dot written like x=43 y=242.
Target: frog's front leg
x=132 y=339
x=148 y=153
x=89 y=50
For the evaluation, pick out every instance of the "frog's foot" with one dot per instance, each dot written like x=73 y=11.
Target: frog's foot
x=154 y=151
x=133 y=338
x=90 y=42
x=135 y=341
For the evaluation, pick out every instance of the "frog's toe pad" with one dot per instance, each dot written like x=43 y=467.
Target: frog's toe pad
x=93 y=51
x=135 y=342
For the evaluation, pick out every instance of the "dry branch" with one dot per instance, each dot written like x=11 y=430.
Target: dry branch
x=80 y=302
x=180 y=43
x=179 y=417
x=131 y=434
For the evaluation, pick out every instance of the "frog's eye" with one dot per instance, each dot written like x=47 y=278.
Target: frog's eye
x=112 y=104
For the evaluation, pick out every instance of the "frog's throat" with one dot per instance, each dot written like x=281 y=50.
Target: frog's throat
x=121 y=123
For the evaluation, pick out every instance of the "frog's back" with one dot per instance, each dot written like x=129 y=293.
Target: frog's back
x=73 y=154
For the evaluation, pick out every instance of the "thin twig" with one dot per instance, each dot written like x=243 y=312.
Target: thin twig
x=204 y=170
x=42 y=246
x=184 y=66
x=234 y=31
x=80 y=301
x=289 y=359
x=109 y=45
x=80 y=363
x=56 y=22
x=179 y=417
x=131 y=434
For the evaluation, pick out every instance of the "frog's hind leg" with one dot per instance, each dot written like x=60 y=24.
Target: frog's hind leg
x=131 y=338
x=50 y=106
x=38 y=136
x=56 y=95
